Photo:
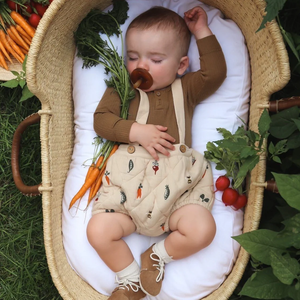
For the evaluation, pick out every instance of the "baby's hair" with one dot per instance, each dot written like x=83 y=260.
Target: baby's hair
x=164 y=18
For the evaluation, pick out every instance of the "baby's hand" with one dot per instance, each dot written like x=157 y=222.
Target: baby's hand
x=153 y=138
x=196 y=20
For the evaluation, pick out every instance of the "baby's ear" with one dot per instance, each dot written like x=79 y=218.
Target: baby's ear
x=184 y=64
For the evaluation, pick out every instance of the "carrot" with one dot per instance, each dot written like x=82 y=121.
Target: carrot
x=3 y=39
x=23 y=33
x=15 y=47
x=23 y=23
x=19 y=39
x=5 y=52
x=3 y=62
x=24 y=51
x=95 y=187
x=87 y=184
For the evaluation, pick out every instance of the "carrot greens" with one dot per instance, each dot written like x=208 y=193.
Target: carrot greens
x=94 y=49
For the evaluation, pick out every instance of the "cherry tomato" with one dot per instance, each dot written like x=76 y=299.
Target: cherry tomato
x=40 y=8
x=230 y=196
x=222 y=183
x=240 y=202
x=34 y=20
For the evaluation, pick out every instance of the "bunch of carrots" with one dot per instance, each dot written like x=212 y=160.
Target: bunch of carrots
x=15 y=36
x=95 y=173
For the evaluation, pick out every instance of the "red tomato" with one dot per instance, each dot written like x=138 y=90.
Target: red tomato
x=40 y=8
x=34 y=20
x=240 y=202
x=230 y=196
x=222 y=183
x=11 y=4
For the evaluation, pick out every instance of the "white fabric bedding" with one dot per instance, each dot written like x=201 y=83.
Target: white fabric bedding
x=200 y=274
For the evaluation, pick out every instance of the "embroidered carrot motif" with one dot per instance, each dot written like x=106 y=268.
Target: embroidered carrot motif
x=193 y=160
x=205 y=171
x=106 y=177
x=139 y=191
x=162 y=226
x=167 y=192
x=155 y=166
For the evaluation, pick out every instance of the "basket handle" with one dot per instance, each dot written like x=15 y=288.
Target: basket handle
x=15 y=152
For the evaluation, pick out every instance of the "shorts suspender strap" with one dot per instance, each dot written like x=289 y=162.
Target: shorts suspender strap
x=178 y=101
x=143 y=110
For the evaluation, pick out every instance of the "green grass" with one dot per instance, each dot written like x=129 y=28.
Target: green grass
x=24 y=272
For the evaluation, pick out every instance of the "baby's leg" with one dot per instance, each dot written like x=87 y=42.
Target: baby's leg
x=193 y=228
x=105 y=232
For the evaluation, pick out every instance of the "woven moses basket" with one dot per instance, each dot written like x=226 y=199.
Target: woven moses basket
x=49 y=75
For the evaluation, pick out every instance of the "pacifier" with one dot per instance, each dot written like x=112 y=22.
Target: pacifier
x=141 y=78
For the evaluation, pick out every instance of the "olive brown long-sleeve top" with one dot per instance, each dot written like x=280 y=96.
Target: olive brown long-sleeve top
x=196 y=87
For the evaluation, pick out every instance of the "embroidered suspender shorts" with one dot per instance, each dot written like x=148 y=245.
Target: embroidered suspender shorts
x=149 y=191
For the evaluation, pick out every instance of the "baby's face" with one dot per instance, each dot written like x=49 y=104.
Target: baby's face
x=157 y=51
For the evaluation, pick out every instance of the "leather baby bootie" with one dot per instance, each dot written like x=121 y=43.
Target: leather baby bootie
x=152 y=272
x=127 y=290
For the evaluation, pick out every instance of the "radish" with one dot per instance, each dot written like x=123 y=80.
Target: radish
x=34 y=20
x=229 y=196
x=240 y=202
x=41 y=9
x=222 y=183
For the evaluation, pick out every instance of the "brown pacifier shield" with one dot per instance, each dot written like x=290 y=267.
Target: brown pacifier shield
x=141 y=78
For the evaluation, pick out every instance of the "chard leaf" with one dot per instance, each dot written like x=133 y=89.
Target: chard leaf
x=289 y=188
x=264 y=286
x=260 y=242
x=285 y=268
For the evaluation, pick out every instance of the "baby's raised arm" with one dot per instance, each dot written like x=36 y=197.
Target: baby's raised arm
x=196 y=20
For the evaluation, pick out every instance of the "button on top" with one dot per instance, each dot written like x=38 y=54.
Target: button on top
x=131 y=149
x=182 y=148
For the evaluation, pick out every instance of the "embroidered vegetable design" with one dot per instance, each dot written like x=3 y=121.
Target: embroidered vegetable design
x=205 y=171
x=110 y=210
x=106 y=177
x=149 y=215
x=202 y=196
x=130 y=165
x=155 y=166
x=167 y=192
x=123 y=197
x=139 y=191
x=162 y=226
x=189 y=180
x=193 y=160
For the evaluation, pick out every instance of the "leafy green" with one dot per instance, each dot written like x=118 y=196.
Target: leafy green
x=20 y=80
x=238 y=153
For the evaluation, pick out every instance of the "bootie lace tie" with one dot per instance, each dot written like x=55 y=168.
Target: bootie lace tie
x=160 y=266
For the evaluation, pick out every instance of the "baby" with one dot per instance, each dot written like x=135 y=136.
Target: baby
x=157 y=183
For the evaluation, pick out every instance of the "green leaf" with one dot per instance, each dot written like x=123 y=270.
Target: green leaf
x=293 y=141
x=15 y=73
x=234 y=146
x=282 y=128
x=248 y=164
x=248 y=151
x=264 y=286
x=276 y=159
x=264 y=123
x=260 y=242
x=225 y=133
x=26 y=94
x=291 y=232
x=285 y=268
x=13 y=83
x=273 y=7
x=297 y=122
x=289 y=188
x=22 y=83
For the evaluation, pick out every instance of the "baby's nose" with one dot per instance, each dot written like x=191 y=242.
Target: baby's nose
x=143 y=64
